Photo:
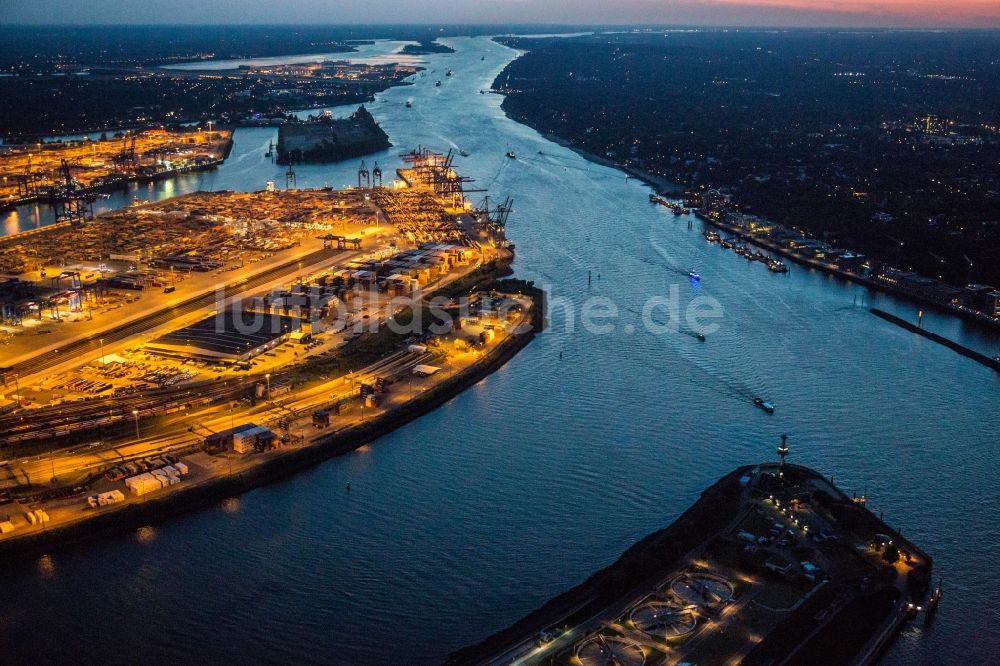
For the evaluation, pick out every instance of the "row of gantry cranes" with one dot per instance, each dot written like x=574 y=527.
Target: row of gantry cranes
x=436 y=171
x=71 y=199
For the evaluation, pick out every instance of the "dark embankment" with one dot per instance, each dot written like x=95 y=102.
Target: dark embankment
x=950 y=344
x=156 y=510
x=641 y=565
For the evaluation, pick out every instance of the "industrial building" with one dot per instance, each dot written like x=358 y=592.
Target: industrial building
x=228 y=337
x=243 y=438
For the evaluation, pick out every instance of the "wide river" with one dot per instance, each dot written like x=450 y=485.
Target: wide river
x=524 y=485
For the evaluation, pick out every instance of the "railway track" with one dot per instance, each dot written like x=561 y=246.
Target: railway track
x=180 y=435
x=55 y=423
x=49 y=423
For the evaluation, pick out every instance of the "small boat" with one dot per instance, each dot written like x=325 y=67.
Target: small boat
x=763 y=404
x=932 y=604
x=483 y=58
x=694 y=275
x=438 y=84
x=409 y=104
x=448 y=73
x=482 y=92
x=511 y=155
x=700 y=336
x=463 y=153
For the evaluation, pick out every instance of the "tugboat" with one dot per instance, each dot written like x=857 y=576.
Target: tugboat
x=766 y=406
x=511 y=155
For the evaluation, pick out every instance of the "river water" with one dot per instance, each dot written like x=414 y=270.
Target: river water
x=522 y=486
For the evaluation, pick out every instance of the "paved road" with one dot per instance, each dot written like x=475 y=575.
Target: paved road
x=116 y=332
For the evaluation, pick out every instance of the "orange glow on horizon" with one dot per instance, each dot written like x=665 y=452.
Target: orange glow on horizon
x=965 y=12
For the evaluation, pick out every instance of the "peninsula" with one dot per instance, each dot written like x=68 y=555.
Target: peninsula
x=772 y=564
x=347 y=314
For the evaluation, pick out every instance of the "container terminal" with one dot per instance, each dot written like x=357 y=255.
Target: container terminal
x=339 y=313
x=70 y=174
x=772 y=565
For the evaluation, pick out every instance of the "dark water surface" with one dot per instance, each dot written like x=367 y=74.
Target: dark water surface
x=522 y=486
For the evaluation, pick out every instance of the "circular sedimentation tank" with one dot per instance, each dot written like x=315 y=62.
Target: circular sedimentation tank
x=702 y=589
x=662 y=619
x=610 y=651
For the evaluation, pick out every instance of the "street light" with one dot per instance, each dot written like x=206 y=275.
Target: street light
x=102 y=351
x=267 y=378
x=135 y=413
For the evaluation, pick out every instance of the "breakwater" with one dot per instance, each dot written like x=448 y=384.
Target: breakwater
x=941 y=340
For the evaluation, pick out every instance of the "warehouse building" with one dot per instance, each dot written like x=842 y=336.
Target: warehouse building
x=228 y=337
